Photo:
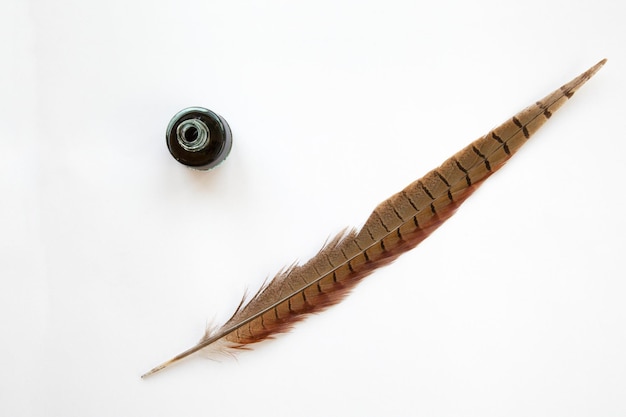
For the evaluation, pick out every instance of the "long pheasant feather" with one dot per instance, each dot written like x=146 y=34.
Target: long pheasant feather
x=395 y=226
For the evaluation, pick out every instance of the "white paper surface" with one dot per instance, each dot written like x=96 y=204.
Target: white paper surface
x=113 y=256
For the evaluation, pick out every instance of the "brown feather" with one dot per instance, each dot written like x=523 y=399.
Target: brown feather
x=397 y=225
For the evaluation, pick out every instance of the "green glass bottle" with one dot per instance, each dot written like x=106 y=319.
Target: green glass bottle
x=199 y=138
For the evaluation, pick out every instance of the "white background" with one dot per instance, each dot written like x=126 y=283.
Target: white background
x=113 y=256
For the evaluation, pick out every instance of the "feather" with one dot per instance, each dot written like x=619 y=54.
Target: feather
x=395 y=226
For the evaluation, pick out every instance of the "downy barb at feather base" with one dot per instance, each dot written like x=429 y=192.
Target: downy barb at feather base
x=395 y=226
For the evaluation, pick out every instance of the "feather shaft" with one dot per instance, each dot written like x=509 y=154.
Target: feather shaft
x=395 y=226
